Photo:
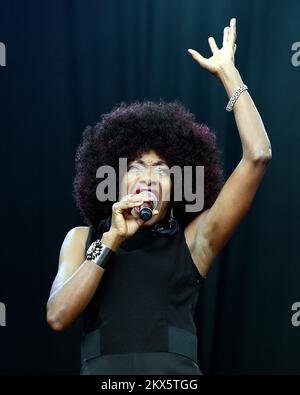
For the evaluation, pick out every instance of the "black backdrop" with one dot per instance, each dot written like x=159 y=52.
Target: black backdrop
x=67 y=62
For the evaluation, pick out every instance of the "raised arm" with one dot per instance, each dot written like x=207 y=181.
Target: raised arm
x=211 y=230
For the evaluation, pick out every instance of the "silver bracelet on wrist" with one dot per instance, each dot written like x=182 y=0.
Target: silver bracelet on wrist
x=234 y=97
x=99 y=253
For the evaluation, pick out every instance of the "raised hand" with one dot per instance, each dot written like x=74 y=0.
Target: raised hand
x=223 y=57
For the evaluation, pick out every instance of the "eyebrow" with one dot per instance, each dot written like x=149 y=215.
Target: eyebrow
x=159 y=162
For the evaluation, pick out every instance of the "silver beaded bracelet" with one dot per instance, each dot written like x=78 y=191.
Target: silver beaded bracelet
x=234 y=97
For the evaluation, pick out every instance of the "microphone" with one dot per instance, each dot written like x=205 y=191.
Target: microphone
x=145 y=210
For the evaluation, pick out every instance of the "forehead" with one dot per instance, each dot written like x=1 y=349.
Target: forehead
x=149 y=158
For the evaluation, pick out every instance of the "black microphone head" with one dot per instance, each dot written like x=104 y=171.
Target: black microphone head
x=145 y=213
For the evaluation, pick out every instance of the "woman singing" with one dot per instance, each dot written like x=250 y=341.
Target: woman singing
x=136 y=279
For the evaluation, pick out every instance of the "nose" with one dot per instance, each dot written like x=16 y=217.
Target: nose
x=148 y=177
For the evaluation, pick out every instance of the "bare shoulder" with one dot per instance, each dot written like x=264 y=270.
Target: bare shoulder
x=71 y=254
x=78 y=234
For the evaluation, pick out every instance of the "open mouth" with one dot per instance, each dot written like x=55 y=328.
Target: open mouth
x=153 y=192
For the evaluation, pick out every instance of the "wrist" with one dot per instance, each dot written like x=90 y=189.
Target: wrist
x=231 y=79
x=100 y=254
x=112 y=239
x=228 y=72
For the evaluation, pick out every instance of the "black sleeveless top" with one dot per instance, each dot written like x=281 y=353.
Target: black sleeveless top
x=146 y=299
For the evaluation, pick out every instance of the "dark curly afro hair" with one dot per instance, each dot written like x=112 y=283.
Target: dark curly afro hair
x=130 y=130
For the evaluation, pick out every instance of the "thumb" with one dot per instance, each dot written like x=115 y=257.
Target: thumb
x=198 y=57
x=139 y=221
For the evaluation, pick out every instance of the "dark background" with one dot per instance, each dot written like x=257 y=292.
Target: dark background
x=70 y=61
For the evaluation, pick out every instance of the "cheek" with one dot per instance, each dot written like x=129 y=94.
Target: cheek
x=166 y=186
x=129 y=182
x=124 y=185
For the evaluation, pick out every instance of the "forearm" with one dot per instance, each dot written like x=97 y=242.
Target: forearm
x=70 y=299
x=254 y=139
x=65 y=305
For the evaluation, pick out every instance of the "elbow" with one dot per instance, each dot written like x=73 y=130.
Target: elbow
x=263 y=159
x=55 y=323
x=60 y=317
x=260 y=156
x=54 y=318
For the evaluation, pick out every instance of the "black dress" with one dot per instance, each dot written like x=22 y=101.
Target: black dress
x=141 y=317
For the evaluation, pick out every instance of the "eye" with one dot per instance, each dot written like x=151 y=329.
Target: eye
x=133 y=167
x=163 y=170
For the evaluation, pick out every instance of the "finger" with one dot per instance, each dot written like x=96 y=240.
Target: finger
x=134 y=214
x=225 y=35
x=134 y=197
x=232 y=31
x=127 y=197
x=212 y=44
x=144 y=194
x=126 y=204
x=198 y=57
x=128 y=215
x=143 y=197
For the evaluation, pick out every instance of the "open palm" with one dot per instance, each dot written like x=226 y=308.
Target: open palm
x=221 y=57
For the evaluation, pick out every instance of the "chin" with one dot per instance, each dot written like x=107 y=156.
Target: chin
x=151 y=221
